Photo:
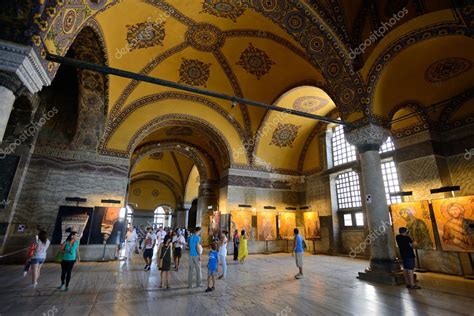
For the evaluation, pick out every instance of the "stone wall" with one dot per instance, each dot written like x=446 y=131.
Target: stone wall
x=54 y=175
x=432 y=161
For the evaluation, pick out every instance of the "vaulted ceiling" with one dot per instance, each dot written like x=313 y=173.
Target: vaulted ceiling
x=356 y=59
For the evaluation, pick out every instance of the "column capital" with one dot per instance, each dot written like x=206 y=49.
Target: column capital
x=22 y=63
x=367 y=137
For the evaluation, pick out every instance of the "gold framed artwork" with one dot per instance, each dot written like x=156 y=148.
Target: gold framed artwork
x=312 y=226
x=241 y=220
x=266 y=224
x=455 y=222
x=287 y=225
x=416 y=217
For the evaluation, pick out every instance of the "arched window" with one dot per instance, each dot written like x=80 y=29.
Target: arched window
x=342 y=151
x=348 y=190
x=159 y=215
x=387 y=146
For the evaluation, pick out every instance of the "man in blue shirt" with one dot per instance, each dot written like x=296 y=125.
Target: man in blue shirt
x=195 y=251
x=299 y=253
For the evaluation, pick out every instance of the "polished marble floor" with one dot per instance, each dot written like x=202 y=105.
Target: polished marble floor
x=264 y=285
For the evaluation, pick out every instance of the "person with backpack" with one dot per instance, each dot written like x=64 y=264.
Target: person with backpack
x=38 y=255
x=298 y=251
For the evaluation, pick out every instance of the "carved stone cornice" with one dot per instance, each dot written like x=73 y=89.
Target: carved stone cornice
x=367 y=137
x=24 y=65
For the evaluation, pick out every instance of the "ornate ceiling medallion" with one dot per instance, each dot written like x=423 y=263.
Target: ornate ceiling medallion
x=310 y=104
x=157 y=156
x=255 y=61
x=447 y=68
x=284 y=135
x=229 y=9
x=205 y=37
x=194 y=72
x=145 y=34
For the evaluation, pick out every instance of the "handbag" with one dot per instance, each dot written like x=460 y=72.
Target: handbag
x=32 y=249
x=59 y=257
x=160 y=263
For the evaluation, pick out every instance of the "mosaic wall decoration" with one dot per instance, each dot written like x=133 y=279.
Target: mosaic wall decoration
x=312 y=225
x=310 y=104
x=266 y=225
x=255 y=61
x=111 y=215
x=455 y=222
x=241 y=220
x=194 y=72
x=284 y=135
x=447 y=68
x=416 y=217
x=230 y=9
x=287 y=225
x=145 y=34
x=179 y=131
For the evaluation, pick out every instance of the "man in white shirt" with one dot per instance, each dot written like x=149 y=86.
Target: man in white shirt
x=150 y=241
x=130 y=242
x=179 y=242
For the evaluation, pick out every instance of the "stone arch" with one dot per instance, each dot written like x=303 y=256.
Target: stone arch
x=202 y=161
x=167 y=120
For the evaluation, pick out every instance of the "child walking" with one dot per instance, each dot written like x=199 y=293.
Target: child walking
x=212 y=267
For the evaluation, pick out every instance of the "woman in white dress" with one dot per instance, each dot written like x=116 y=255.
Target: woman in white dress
x=223 y=254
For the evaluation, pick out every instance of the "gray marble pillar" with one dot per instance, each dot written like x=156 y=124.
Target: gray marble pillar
x=206 y=198
x=181 y=216
x=7 y=98
x=384 y=265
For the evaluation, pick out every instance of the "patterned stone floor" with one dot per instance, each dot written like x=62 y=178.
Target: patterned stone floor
x=264 y=285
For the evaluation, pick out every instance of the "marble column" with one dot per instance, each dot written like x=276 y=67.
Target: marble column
x=181 y=215
x=7 y=98
x=21 y=73
x=207 y=202
x=20 y=70
x=384 y=265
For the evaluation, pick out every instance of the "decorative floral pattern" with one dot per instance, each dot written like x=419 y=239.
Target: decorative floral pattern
x=284 y=135
x=194 y=72
x=145 y=34
x=137 y=191
x=255 y=61
x=447 y=68
x=230 y=9
x=310 y=104
x=155 y=193
x=205 y=37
